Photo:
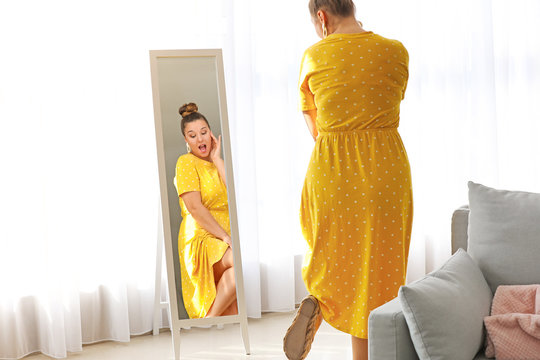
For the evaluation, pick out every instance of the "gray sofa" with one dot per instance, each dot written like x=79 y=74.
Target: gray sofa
x=388 y=334
x=506 y=248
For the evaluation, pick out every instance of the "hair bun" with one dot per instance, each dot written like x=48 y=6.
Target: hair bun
x=188 y=109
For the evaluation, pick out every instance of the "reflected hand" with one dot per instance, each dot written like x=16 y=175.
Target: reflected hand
x=227 y=239
x=215 y=153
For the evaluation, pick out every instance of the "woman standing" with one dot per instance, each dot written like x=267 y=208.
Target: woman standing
x=356 y=211
x=206 y=260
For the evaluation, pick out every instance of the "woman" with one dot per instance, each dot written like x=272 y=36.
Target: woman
x=204 y=243
x=356 y=211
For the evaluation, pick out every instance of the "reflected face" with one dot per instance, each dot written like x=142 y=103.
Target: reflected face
x=198 y=136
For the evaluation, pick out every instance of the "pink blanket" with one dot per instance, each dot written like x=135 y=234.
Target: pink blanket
x=514 y=325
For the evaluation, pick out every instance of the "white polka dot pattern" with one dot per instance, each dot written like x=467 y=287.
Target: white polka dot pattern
x=356 y=211
x=198 y=249
x=369 y=81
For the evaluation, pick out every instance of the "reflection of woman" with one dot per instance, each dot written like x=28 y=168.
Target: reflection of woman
x=356 y=212
x=206 y=260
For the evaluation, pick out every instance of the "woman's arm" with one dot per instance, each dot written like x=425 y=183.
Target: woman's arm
x=215 y=155
x=310 y=116
x=202 y=215
x=220 y=164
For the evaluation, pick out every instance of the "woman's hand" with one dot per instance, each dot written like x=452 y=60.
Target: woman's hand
x=215 y=156
x=227 y=239
x=193 y=202
x=215 y=153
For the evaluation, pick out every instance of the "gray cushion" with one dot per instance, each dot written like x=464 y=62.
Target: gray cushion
x=504 y=235
x=445 y=310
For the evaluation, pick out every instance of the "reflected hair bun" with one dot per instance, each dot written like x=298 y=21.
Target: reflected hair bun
x=190 y=112
x=188 y=109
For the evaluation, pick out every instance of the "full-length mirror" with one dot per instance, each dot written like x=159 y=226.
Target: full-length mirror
x=197 y=188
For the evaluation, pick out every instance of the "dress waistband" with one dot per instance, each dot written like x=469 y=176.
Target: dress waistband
x=357 y=131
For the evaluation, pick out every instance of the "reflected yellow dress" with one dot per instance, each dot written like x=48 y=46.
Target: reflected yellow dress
x=356 y=209
x=198 y=249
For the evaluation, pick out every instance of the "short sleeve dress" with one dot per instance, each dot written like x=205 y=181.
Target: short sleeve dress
x=356 y=205
x=198 y=249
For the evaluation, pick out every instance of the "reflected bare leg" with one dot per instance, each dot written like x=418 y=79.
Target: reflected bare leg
x=222 y=265
x=232 y=310
x=225 y=293
x=359 y=348
x=225 y=287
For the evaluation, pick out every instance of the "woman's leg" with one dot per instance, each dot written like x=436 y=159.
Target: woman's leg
x=226 y=285
x=231 y=310
x=222 y=265
x=359 y=348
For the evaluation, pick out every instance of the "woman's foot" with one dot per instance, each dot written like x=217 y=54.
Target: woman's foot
x=299 y=336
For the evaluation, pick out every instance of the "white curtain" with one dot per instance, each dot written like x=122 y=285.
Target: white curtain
x=469 y=111
x=79 y=187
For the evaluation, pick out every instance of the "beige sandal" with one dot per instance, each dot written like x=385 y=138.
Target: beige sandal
x=299 y=336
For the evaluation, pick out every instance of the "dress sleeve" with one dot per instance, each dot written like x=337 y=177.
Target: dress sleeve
x=307 y=99
x=186 y=177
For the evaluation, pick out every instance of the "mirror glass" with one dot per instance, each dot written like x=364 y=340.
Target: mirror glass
x=194 y=185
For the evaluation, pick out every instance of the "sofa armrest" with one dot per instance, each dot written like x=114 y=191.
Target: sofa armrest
x=460 y=223
x=388 y=334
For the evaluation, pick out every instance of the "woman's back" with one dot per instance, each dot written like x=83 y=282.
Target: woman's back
x=355 y=81
x=356 y=212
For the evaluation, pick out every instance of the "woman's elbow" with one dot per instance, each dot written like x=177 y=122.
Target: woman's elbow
x=194 y=208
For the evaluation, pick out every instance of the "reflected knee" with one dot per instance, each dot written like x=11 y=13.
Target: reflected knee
x=228 y=259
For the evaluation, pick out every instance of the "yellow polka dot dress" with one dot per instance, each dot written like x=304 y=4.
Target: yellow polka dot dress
x=198 y=249
x=356 y=209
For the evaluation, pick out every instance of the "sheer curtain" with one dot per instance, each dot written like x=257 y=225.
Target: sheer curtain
x=469 y=111
x=78 y=206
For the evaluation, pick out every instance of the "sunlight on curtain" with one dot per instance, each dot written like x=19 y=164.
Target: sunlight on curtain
x=283 y=146
x=468 y=113
x=78 y=195
x=79 y=191
x=517 y=79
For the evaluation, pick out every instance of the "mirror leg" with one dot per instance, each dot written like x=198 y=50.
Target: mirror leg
x=175 y=335
x=158 y=304
x=245 y=334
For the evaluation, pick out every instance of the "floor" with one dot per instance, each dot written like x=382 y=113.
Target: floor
x=265 y=335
